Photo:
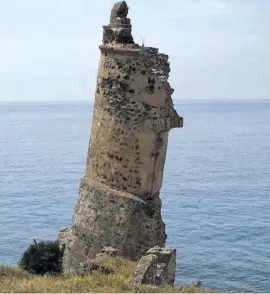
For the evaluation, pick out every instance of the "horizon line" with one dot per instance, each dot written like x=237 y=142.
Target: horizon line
x=176 y=101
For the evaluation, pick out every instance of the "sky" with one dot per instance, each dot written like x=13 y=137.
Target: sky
x=218 y=49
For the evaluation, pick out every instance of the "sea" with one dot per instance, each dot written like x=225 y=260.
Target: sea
x=215 y=193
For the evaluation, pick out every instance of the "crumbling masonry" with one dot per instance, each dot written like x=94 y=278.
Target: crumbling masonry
x=119 y=203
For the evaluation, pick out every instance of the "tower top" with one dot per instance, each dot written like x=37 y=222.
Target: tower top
x=118 y=31
x=120 y=9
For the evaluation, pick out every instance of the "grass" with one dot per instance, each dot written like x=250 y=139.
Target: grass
x=15 y=280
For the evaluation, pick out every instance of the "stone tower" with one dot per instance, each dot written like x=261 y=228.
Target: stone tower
x=119 y=203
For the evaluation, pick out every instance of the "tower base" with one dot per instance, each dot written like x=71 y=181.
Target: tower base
x=106 y=217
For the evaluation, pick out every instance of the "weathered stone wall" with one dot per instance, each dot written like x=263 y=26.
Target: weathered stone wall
x=133 y=114
x=119 y=202
x=106 y=217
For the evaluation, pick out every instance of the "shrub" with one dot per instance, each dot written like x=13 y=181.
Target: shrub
x=42 y=258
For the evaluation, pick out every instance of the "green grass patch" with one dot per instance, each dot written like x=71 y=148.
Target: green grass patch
x=13 y=279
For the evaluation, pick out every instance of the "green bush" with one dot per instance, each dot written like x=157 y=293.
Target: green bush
x=42 y=258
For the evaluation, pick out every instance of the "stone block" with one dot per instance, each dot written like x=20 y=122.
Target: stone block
x=146 y=270
x=166 y=264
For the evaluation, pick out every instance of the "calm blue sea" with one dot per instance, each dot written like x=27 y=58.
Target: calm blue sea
x=216 y=189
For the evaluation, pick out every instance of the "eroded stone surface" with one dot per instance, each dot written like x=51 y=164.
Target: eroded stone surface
x=166 y=264
x=157 y=267
x=106 y=217
x=146 y=270
x=119 y=203
x=110 y=251
x=119 y=29
x=161 y=275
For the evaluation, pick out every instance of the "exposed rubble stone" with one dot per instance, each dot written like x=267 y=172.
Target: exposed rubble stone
x=110 y=251
x=157 y=268
x=146 y=270
x=161 y=275
x=166 y=264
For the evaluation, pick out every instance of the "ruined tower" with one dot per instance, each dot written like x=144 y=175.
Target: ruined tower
x=119 y=203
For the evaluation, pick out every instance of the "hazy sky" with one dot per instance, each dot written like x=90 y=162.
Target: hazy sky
x=218 y=48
